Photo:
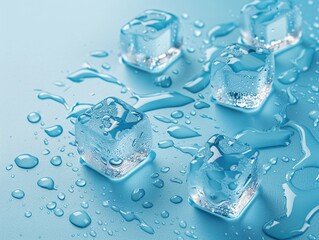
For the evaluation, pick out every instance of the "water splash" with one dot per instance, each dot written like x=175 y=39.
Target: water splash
x=150 y=102
x=85 y=73
x=130 y=216
x=46 y=95
x=198 y=84
x=78 y=109
x=221 y=30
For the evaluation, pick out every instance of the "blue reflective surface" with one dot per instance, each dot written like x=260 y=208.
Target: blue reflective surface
x=44 y=42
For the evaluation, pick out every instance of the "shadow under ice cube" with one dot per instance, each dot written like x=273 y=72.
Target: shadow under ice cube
x=272 y=24
x=225 y=178
x=151 y=41
x=113 y=138
x=242 y=76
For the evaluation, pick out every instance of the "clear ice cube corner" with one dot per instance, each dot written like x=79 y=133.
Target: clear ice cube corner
x=113 y=138
x=151 y=41
x=272 y=24
x=224 y=178
x=242 y=76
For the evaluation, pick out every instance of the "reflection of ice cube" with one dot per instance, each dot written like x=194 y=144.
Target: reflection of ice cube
x=272 y=24
x=151 y=41
x=225 y=178
x=113 y=137
x=242 y=76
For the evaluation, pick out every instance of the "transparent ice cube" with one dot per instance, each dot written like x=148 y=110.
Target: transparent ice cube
x=224 y=179
x=242 y=76
x=151 y=41
x=113 y=138
x=272 y=24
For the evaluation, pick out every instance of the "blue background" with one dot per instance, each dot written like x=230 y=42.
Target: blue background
x=41 y=42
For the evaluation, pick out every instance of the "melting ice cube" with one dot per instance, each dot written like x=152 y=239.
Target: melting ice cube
x=242 y=76
x=113 y=138
x=151 y=41
x=225 y=178
x=273 y=24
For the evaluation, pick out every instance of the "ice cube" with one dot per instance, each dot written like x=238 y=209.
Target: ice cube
x=151 y=41
x=224 y=178
x=113 y=138
x=242 y=76
x=273 y=24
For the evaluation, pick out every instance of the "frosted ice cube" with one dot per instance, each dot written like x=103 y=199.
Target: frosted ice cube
x=113 y=138
x=273 y=24
x=151 y=41
x=225 y=178
x=242 y=76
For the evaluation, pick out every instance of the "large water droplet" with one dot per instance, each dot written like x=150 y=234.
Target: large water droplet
x=26 y=161
x=80 y=219
x=18 y=194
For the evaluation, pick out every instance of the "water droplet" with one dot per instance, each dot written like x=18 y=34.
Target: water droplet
x=165 y=144
x=80 y=182
x=85 y=204
x=34 y=117
x=177 y=114
x=201 y=105
x=149 y=102
x=165 y=214
x=221 y=30
x=26 y=161
x=18 y=194
x=58 y=212
x=88 y=73
x=182 y=224
x=99 y=54
x=198 y=84
x=176 y=180
x=165 y=169
x=176 y=199
x=54 y=131
x=28 y=214
x=56 y=161
x=61 y=196
x=159 y=183
x=181 y=131
x=199 y=24
x=51 y=205
x=46 y=182
x=46 y=95
x=147 y=205
x=9 y=167
x=137 y=194
x=80 y=219
x=163 y=81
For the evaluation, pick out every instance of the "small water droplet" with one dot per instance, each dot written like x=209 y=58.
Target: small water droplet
x=34 y=117
x=28 y=214
x=56 y=161
x=80 y=182
x=51 y=205
x=137 y=194
x=54 y=131
x=58 y=212
x=176 y=199
x=46 y=182
x=165 y=214
x=159 y=183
